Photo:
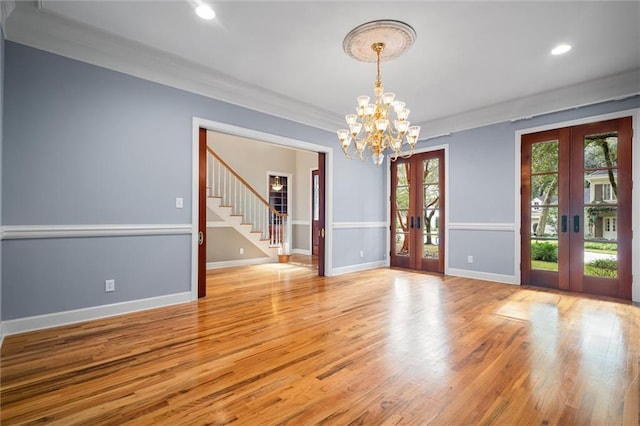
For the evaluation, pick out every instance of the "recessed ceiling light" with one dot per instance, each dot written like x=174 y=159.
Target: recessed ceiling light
x=560 y=49
x=205 y=12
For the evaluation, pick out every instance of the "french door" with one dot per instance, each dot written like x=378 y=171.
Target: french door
x=576 y=208
x=417 y=212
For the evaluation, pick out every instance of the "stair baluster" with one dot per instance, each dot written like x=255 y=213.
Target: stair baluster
x=225 y=183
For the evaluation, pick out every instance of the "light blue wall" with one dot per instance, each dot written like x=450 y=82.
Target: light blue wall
x=482 y=186
x=371 y=241
x=87 y=145
x=1 y=144
x=61 y=274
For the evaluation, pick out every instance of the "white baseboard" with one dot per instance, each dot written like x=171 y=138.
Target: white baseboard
x=301 y=251
x=240 y=262
x=22 y=325
x=359 y=267
x=465 y=273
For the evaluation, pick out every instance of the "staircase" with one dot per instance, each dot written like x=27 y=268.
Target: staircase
x=242 y=207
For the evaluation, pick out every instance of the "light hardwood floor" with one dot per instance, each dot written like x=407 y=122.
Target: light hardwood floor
x=274 y=344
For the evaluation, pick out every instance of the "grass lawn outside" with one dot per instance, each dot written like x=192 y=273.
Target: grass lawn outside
x=545 y=266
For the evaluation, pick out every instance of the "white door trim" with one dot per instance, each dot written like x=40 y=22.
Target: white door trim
x=229 y=129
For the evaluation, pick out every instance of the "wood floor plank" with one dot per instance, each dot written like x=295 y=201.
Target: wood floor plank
x=275 y=344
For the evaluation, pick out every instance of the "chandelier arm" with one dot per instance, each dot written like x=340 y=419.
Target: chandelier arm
x=409 y=154
x=351 y=156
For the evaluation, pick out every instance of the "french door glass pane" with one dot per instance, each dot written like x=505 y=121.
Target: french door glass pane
x=601 y=223
x=402 y=197
x=402 y=221
x=544 y=189
x=544 y=206
x=430 y=209
x=431 y=196
x=544 y=157
x=601 y=259
x=430 y=248
x=600 y=205
x=402 y=244
x=430 y=171
x=544 y=254
x=402 y=232
x=403 y=174
x=601 y=150
x=544 y=222
x=601 y=241
x=601 y=187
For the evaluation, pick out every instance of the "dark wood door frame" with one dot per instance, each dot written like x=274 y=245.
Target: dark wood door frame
x=315 y=228
x=413 y=228
x=571 y=207
x=322 y=213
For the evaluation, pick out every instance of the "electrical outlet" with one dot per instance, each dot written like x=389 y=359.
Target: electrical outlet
x=241 y=251
x=361 y=253
x=109 y=285
x=179 y=203
x=469 y=259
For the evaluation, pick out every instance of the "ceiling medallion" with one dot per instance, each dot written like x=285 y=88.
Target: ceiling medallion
x=373 y=42
x=396 y=36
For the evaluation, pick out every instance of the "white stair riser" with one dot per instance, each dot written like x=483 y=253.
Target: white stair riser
x=245 y=229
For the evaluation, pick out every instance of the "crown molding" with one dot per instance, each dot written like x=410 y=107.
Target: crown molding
x=40 y=29
x=36 y=27
x=6 y=7
x=610 y=88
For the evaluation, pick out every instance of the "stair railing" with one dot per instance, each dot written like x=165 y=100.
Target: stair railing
x=235 y=192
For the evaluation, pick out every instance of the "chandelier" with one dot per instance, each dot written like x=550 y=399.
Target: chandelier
x=277 y=185
x=380 y=124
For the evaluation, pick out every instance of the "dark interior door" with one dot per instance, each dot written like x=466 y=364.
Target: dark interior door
x=321 y=212
x=202 y=212
x=315 y=211
x=417 y=212
x=576 y=208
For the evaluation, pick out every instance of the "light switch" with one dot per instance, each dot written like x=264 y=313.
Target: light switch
x=179 y=203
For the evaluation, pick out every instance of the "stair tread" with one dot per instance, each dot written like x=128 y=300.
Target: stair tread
x=248 y=228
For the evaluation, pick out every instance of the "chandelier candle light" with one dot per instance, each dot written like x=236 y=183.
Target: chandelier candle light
x=379 y=40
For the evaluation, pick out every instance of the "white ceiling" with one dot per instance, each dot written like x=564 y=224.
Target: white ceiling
x=473 y=62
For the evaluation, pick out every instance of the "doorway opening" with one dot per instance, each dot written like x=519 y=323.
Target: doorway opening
x=324 y=158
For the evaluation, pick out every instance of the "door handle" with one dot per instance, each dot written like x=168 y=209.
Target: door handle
x=564 y=223
x=411 y=225
x=576 y=224
x=200 y=238
x=418 y=222
x=322 y=232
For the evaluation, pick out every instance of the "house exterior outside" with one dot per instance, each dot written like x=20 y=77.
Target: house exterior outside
x=601 y=220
